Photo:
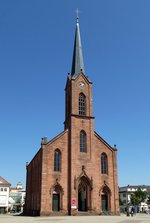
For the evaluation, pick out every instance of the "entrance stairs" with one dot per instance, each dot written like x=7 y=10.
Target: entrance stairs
x=86 y=213
x=106 y=213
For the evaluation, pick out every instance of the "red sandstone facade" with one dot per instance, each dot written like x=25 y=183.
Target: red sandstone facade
x=76 y=171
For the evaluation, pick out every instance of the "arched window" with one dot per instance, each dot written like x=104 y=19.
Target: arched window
x=82 y=104
x=104 y=164
x=83 y=141
x=57 y=160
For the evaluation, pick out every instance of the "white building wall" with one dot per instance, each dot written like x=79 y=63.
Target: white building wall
x=4 y=195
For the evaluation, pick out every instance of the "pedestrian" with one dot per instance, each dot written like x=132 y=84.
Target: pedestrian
x=132 y=211
x=127 y=211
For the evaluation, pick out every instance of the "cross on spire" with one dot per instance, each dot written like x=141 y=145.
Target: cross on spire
x=77 y=12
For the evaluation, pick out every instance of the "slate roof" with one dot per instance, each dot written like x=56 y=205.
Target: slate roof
x=77 y=61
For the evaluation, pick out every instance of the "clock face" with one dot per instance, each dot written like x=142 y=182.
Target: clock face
x=81 y=85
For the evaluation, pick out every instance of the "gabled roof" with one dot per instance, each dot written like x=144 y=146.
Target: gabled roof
x=49 y=142
x=103 y=141
x=58 y=136
x=69 y=78
x=87 y=80
x=4 y=182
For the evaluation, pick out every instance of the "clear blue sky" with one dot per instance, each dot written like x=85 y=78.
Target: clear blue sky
x=36 y=46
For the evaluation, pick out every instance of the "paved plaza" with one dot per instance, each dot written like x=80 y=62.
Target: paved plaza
x=139 y=218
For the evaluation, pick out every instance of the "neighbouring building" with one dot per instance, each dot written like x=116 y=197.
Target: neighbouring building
x=125 y=196
x=17 y=198
x=4 y=195
x=76 y=171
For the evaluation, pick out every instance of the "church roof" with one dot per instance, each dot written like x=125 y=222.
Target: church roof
x=104 y=142
x=77 y=61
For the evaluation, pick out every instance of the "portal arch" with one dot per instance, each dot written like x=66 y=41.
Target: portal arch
x=105 y=198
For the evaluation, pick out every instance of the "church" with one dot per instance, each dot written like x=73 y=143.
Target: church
x=75 y=173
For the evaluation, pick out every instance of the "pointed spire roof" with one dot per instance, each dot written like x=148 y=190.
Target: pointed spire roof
x=77 y=61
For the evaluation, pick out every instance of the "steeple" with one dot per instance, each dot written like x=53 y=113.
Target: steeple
x=77 y=61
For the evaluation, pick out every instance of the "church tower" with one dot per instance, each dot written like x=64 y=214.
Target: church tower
x=76 y=171
x=78 y=83
x=79 y=120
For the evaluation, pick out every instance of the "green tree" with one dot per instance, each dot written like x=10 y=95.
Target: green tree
x=138 y=196
x=148 y=199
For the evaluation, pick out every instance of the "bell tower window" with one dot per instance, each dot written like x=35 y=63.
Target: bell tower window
x=82 y=104
x=83 y=142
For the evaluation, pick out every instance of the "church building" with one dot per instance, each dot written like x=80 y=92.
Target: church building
x=74 y=173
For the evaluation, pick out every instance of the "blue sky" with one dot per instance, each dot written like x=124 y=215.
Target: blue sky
x=36 y=47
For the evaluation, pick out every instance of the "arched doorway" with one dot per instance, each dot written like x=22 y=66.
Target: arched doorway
x=56 y=202
x=105 y=199
x=84 y=195
x=57 y=198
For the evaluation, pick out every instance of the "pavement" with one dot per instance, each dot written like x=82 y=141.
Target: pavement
x=139 y=218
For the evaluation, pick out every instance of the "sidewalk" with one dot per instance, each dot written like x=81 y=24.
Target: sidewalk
x=139 y=218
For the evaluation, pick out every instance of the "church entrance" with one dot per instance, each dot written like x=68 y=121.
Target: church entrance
x=105 y=199
x=104 y=203
x=56 y=202
x=57 y=193
x=82 y=198
x=84 y=195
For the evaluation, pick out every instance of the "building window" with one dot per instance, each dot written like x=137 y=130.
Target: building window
x=104 y=164
x=57 y=160
x=1 y=189
x=5 y=189
x=82 y=104
x=83 y=141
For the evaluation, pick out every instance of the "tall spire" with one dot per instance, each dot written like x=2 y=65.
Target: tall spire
x=77 y=61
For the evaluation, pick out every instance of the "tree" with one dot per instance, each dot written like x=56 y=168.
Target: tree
x=138 y=196
x=148 y=199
